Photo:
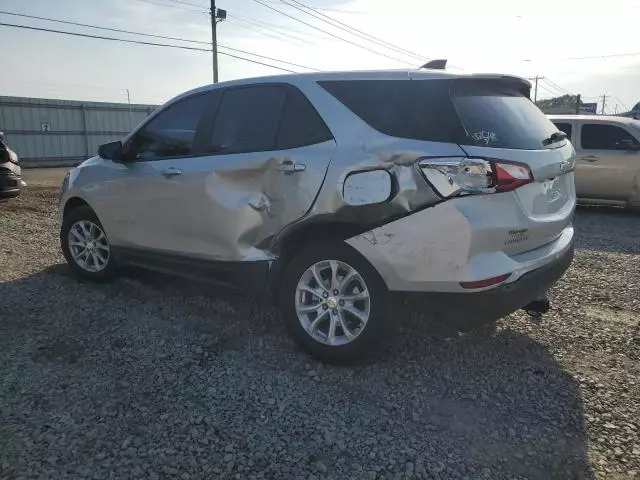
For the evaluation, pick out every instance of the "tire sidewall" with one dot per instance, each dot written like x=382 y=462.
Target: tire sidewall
x=377 y=328
x=78 y=214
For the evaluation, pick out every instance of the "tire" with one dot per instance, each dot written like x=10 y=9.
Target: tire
x=360 y=339
x=99 y=247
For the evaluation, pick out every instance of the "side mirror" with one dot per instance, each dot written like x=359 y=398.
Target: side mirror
x=1 y=136
x=111 y=151
x=366 y=188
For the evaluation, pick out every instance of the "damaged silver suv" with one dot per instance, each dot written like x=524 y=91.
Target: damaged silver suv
x=333 y=191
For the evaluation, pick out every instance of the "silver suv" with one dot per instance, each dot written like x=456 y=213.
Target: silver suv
x=332 y=191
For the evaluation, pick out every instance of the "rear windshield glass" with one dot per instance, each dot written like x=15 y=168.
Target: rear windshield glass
x=487 y=113
x=500 y=116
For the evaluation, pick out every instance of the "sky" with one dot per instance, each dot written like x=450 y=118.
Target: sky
x=548 y=38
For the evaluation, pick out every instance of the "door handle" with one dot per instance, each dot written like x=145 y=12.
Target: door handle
x=171 y=172
x=590 y=158
x=289 y=166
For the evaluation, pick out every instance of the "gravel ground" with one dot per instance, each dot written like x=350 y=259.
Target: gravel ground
x=153 y=377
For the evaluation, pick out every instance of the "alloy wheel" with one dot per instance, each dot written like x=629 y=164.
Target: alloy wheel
x=88 y=246
x=332 y=302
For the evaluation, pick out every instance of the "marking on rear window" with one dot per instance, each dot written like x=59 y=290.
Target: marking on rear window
x=485 y=137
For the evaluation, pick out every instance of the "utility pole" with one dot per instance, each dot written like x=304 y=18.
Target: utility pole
x=130 y=114
x=604 y=103
x=214 y=41
x=535 y=88
x=577 y=104
x=217 y=14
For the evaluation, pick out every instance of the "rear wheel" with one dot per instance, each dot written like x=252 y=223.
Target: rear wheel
x=85 y=245
x=333 y=302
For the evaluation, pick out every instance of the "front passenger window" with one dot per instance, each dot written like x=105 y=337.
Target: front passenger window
x=171 y=133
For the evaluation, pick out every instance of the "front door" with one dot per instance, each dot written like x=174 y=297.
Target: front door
x=607 y=163
x=146 y=192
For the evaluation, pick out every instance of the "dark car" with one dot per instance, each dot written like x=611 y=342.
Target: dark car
x=10 y=173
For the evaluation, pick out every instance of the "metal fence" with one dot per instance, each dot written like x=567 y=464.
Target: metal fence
x=46 y=132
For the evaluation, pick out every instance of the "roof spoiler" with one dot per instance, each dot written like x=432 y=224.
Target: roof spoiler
x=439 y=64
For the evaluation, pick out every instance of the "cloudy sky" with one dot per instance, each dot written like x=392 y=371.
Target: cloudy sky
x=546 y=38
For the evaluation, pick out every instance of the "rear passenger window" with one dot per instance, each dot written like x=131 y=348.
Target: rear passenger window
x=416 y=109
x=248 y=119
x=566 y=128
x=605 y=137
x=300 y=125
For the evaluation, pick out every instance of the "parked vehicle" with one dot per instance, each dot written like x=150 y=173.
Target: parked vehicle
x=332 y=190
x=608 y=157
x=10 y=172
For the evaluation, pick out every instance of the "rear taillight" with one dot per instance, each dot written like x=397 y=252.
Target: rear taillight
x=471 y=176
x=510 y=176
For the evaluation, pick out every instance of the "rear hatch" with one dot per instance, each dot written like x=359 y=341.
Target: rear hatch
x=501 y=123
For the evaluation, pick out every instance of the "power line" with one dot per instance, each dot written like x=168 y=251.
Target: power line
x=622 y=103
x=173 y=6
x=143 y=43
x=256 y=25
x=186 y=3
x=354 y=31
x=328 y=33
x=156 y=36
x=269 y=58
x=558 y=87
x=277 y=27
x=104 y=28
x=613 y=55
x=268 y=34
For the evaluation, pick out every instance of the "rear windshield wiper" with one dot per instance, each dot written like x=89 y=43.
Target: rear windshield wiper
x=554 y=137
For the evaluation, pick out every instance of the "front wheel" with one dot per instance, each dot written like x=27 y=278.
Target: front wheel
x=85 y=245
x=333 y=303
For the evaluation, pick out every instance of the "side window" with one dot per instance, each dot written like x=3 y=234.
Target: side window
x=171 y=133
x=415 y=109
x=248 y=119
x=605 y=137
x=300 y=125
x=566 y=128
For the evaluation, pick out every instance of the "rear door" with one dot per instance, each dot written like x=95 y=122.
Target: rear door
x=268 y=152
x=607 y=163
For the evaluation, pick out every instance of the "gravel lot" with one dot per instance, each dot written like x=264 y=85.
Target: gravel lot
x=153 y=377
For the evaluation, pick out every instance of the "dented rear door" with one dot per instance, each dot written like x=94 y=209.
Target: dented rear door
x=270 y=151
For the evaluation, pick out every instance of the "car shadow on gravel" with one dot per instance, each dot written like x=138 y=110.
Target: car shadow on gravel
x=162 y=377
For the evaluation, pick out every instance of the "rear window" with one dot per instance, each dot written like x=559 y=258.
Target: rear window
x=416 y=109
x=477 y=112
x=498 y=115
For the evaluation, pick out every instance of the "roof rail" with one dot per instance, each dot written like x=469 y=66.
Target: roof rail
x=439 y=64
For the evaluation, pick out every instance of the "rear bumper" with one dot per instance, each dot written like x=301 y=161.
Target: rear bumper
x=465 y=240
x=10 y=182
x=497 y=302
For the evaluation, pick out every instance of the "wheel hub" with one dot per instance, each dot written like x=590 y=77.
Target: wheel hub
x=332 y=302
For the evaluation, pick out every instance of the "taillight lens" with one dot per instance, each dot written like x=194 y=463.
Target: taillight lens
x=510 y=176
x=468 y=176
